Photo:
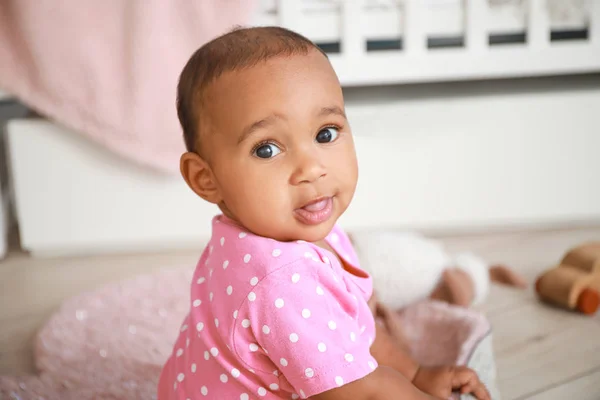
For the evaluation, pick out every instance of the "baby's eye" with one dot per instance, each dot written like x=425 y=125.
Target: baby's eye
x=327 y=135
x=267 y=150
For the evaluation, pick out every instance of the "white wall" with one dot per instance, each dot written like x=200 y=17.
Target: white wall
x=456 y=156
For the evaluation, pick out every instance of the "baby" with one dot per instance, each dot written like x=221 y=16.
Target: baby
x=279 y=307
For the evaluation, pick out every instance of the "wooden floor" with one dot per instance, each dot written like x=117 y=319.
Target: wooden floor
x=542 y=353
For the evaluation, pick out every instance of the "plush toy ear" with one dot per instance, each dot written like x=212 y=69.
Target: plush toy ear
x=199 y=177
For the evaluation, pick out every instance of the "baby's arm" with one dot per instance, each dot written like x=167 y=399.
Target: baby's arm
x=384 y=383
x=390 y=349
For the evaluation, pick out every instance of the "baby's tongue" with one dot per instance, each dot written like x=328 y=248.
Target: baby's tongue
x=318 y=206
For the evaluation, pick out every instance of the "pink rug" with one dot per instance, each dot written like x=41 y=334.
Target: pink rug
x=111 y=343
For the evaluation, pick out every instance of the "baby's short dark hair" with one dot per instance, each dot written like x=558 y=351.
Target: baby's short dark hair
x=240 y=48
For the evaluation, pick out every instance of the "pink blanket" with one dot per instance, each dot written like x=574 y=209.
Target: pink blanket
x=112 y=342
x=109 y=69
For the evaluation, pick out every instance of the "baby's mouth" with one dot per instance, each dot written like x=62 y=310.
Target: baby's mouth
x=315 y=212
x=317 y=205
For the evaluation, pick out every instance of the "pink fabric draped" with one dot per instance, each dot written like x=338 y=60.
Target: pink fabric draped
x=109 y=69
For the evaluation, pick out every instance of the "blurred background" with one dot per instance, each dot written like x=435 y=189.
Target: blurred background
x=477 y=117
x=468 y=115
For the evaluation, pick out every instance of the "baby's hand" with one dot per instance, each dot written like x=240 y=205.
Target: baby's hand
x=441 y=381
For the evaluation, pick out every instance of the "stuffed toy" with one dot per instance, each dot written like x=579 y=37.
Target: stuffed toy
x=408 y=267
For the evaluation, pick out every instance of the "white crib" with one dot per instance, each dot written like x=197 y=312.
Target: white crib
x=407 y=41
x=471 y=155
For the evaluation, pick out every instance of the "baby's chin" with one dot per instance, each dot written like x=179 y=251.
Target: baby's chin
x=293 y=230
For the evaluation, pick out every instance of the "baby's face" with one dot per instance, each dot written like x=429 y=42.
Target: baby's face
x=280 y=147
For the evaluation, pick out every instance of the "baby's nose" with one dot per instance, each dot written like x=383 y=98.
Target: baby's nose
x=309 y=168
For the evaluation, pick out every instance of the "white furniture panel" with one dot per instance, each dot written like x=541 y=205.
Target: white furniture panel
x=471 y=162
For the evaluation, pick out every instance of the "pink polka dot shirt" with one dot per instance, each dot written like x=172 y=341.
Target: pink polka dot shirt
x=271 y=320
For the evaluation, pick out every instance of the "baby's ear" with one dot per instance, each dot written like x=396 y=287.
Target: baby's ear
x=199 y=177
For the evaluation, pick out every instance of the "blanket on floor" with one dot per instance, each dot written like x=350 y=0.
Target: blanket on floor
x=111 y=343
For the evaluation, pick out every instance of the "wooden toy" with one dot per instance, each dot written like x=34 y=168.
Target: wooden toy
x=575 y=283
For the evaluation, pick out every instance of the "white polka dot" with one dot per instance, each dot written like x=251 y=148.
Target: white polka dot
x=175 y=385
x=308 y=255
x=306 y=313
x=217 y=322
x=254 y=281
x=322 y=347
x=247 y=258
x=204 y=390
x=253 y=347
x=187 y=342
x=283 y=362
x=362 y=329
x=210 y=272
x=349 y=357
x=262 y=391
x=210 y=249
x=210 y=296
x=302 y=394
x=197 y=303
x=201 y=280
x=214 y=351
x=339 y=381
x=242 y=235
x=332 y=325
x=276 y=373
x=294 y=338
x=266 y=330
x=244 y=396
x=183 y=328
x=320 y=291
x=295 y=278
x=206 y=355
x=274 y=386
x=235 y=373
x=193 y=368
x=276 y=253
x=180 y=377
x=223 y=378
x=252 y=296
x=235 y=313
x=179 y=352
x=353 y=336
x=371 y=365
x=309 y=372
x=246 y=323
x=225 y=264
x=229 y=290
x=200 y=326
x=295 y=396
x=279 y=303
x=222 y=241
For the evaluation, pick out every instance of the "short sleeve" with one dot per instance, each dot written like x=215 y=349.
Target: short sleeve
x=309 y=328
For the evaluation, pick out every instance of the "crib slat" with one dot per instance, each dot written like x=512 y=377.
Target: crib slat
x=538 y=27
x=289 y=14
x=476 y=22
x=414 y=24
x=353 y=42
x=595 y=23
